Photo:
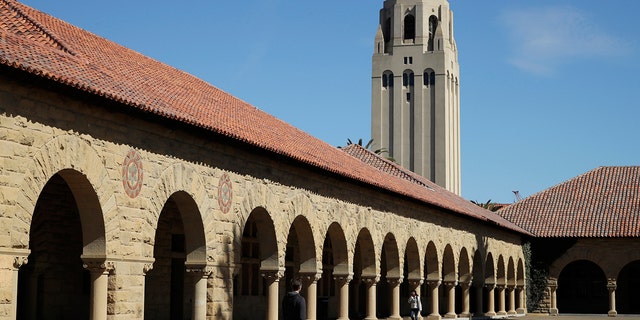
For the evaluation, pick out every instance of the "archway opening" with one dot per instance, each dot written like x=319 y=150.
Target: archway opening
x=582 y=288
x=54 y=284
x=628 y=282
x=168 y=291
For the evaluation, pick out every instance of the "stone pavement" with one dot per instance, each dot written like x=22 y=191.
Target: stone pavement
x=578 y=317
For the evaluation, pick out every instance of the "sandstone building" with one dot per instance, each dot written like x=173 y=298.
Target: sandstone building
x=415 y=102
x=132 y=190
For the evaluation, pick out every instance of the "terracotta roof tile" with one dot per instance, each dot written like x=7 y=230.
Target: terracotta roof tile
x=604 y=202
x=51 y=48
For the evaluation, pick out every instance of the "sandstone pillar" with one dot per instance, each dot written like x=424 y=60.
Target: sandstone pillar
x=553 y=286
x=342 y=283
x=273 y=281
x=10 y=263
x=200 y=276
x=612 y=286
x=501 y=300
x=310 y=281
x=491 y=305
x=522 y=300
x=395 y=297
x=371 y=283
x=99 y=272
x=466 y=312
x=450 y=289
x=511 y=291
x=433 y=286
x=414 y=285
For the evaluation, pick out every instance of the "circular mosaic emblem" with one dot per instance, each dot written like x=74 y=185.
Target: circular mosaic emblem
x=132 y=173
x=225 y=193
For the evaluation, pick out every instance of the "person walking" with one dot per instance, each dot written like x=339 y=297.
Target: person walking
x=415 y=305
x=294 y=306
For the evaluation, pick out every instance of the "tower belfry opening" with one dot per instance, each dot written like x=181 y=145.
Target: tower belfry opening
x=418 y=122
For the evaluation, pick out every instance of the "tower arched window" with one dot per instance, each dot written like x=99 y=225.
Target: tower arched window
x=429 y=78
x=387 y=80
x=433 y=26
x=407 y=79
x=409 y=27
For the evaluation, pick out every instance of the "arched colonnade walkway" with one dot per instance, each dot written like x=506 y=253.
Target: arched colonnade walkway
x=83 y=245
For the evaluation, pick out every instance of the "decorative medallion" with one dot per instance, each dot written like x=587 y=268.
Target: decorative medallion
x=225 y=193
x=132 y=173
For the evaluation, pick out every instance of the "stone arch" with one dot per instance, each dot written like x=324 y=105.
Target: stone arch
x=184 y=185
x=449 y=273
x=392 y=257
x=628 y=281
x=367 y=260
x=267 y=240
x=511 y=272
x=341 y=265
x=582 y=288
x=432 y=265
x=573 y=255
x=306 y=244
x=501 y=274
x=83 y=170
x=412 y=260
x=489 y=270
x=464 y=267
x=520 y=274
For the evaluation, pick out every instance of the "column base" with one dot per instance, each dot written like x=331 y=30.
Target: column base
x=502 y=313
x=434 y=317
x=612 y=313
x=450 y=316
x=395 y=318
x=490 y=314
x=465 y=315
x=511 y=312
x=553 y=311
x=521 y=311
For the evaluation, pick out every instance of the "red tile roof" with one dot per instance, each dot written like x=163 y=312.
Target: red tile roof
x=427 y=185
x=604 y=202
x=44 y=46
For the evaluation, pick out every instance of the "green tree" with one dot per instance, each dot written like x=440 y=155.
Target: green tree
x=369 y=146
x=491 y=206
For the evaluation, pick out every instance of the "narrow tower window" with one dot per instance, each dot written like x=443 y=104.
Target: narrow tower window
x=433 y=26
x=409 y=27
x=387 y=80
x=429 y=78
x=407 y=79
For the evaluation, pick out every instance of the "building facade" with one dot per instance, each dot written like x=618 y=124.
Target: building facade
x=132 y=190
x=415 y=104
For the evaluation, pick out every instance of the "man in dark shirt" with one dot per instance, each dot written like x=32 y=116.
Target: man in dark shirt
x=293 y=305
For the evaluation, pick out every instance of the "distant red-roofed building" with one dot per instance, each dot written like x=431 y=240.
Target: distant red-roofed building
x=588 y=235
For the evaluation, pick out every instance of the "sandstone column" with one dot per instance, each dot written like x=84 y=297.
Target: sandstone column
x=553 y=286
x=395 y=297
x=10 y=263
x=310 y=281
x=201 y=276
x=371 y=283
x=522 y=300
x=99 y=271
x=342 y=283
x=414 y=285
x=511 y=290
x=501 y=300
x=491 y=305
x=450 y=289
x=433 y=286
x=466 y=312
x=612 y=286
x=273 y=281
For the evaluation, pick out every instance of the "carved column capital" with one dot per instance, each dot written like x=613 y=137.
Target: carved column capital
x=98 y=266
x=395 y=281
x=342 y=279
x=612 y=284
x=371 y=280
x=465 y=285
x=272 y=275
x=414 y=283
x=201 y=271
x=310 y=278
x=552 y=283
x=450 y=283
x=433 y=283
x=490 y=286
x=19 y=261
x=147 y=267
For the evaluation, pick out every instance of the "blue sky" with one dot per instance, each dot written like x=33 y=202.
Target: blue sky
x=550 y=89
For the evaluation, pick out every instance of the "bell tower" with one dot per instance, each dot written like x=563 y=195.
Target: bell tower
x=415 y=106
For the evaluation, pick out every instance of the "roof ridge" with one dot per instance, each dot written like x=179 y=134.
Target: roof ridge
x=50 y=38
